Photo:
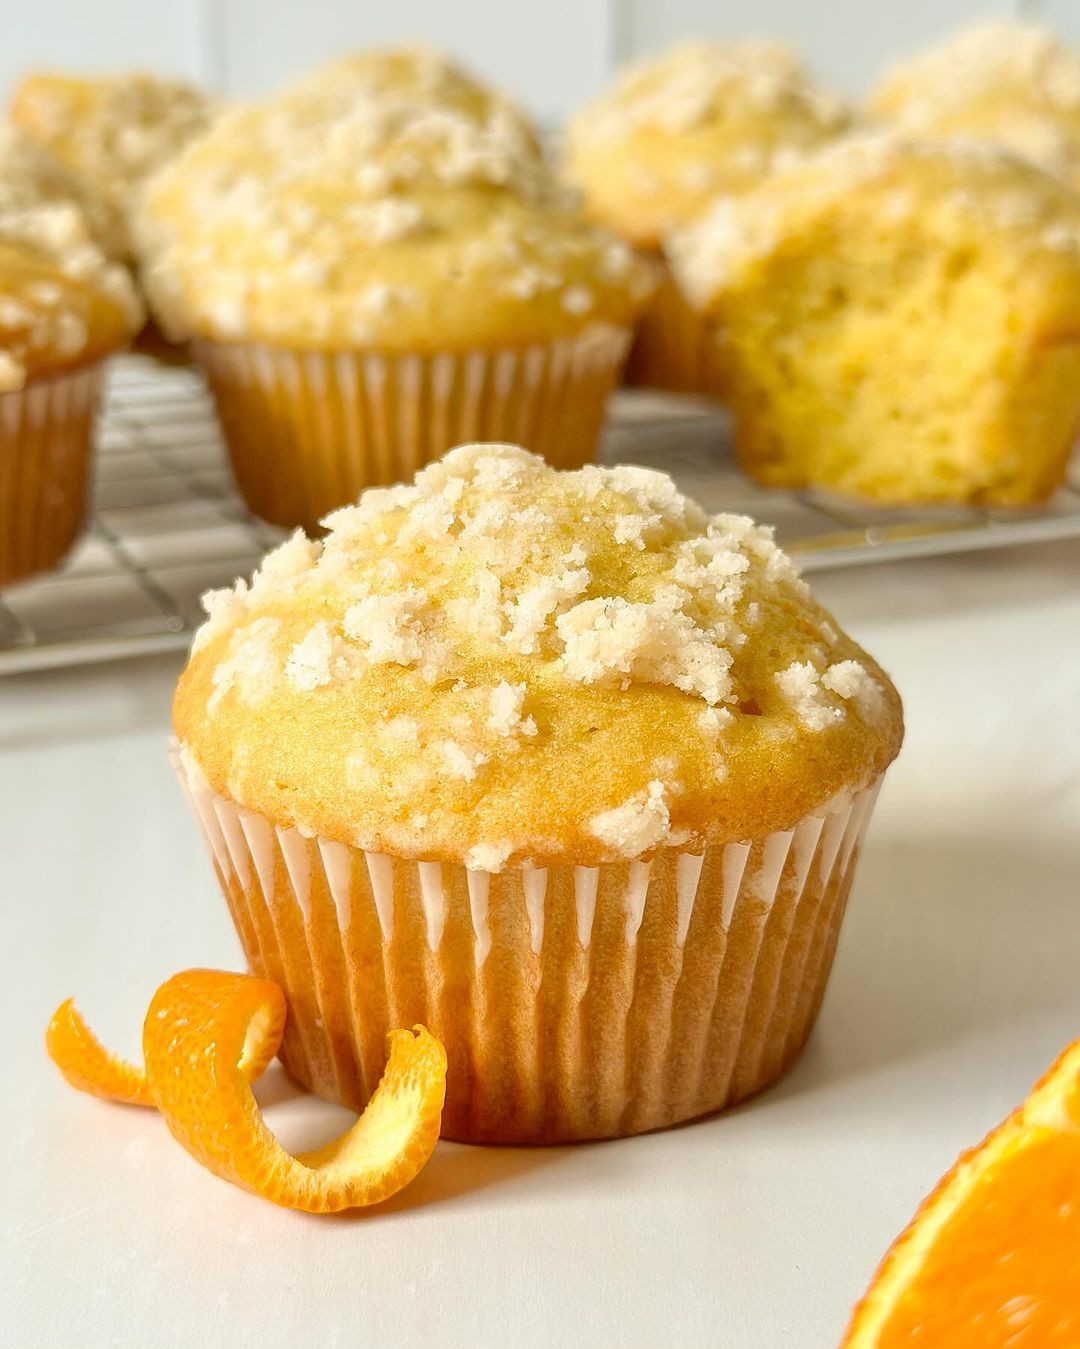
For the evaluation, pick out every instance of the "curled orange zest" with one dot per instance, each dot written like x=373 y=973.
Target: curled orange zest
x=209 y=1034
x=88 y=1065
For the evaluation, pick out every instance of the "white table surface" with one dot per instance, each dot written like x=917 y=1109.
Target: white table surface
x=954 y=987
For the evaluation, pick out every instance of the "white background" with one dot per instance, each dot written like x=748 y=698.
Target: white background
x=552 y=54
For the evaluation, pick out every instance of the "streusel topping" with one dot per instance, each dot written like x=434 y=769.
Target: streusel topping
x=59 y=293
x=703 y=118
x=111 y=133
x=1007 y=80
x=359 y=209
x=472 y=629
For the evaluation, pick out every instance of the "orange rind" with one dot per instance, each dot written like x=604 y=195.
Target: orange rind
x=88 y=1065
x=990 y=1258
x=207 y=1036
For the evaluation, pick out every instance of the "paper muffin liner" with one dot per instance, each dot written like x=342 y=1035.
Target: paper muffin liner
x=307 y=431
x=574 y=1002
x=675 y=347
x=46 y=432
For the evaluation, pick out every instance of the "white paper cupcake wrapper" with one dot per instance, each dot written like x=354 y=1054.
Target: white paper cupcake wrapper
x=307 y=431
x=675 y=347
x=574 y=1002
x=45 y=449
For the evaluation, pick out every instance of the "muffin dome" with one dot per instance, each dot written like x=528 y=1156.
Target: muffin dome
x=503 y=663
x=408 y=78
x=1006 y=81
x=701 y=120
x=62 y=302
x=111 y=133
x=354 y=211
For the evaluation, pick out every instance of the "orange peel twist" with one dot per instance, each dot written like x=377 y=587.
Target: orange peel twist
x=208 y=1035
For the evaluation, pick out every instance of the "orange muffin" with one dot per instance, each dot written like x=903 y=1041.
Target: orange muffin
x=552 y=762
x=1008 y=81
x=675 y=132
x=900 y=320
x=111 y=133
x=63 y=309
x=355 y=322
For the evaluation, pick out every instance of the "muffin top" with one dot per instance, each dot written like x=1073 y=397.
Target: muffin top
x=111 y=132
x=702 y=119
x=62 y=302
x=1008 y=81
x=974 y=198
x=503 y=663
x=377 y=218
x=410 y=76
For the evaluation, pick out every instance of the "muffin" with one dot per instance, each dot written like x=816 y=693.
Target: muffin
x=111 y=133
x=675 y=132
x=1007 y=81
x=369 y=287
x=63 y=309
x=901 y=322
x=552 y=762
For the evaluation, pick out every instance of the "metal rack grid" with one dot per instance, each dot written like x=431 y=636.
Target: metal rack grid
x=167 y=524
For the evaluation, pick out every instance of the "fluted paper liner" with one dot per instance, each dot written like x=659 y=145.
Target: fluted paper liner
x=675 y=347
x=46 y=431
x=307 y=431
x=574 y=1002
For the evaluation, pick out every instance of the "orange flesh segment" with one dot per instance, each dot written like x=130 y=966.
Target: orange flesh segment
x=88 y=1065
x=199 y=1027
x=992 y=1258
x=1010 y=1263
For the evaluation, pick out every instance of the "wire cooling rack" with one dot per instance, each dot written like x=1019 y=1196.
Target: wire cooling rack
x=167 y=524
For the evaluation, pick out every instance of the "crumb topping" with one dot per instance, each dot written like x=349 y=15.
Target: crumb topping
x=493 y=584
x=338 y=207
x=1011 y=80
x=983 y=186
x=695 y=83
x=637 y=825
x=702 y=119
x=51 y=261
x=111 y=133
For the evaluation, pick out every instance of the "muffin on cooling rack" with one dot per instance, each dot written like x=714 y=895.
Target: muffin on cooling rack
x=63 y=308
x=1007 y=81
x=111 y=133
x=552 y=762
x=676 y=131
x=370 y=278
x=901 y=321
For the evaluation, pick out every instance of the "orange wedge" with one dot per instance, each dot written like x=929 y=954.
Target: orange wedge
x=992 y=1257
x=207 y=1036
